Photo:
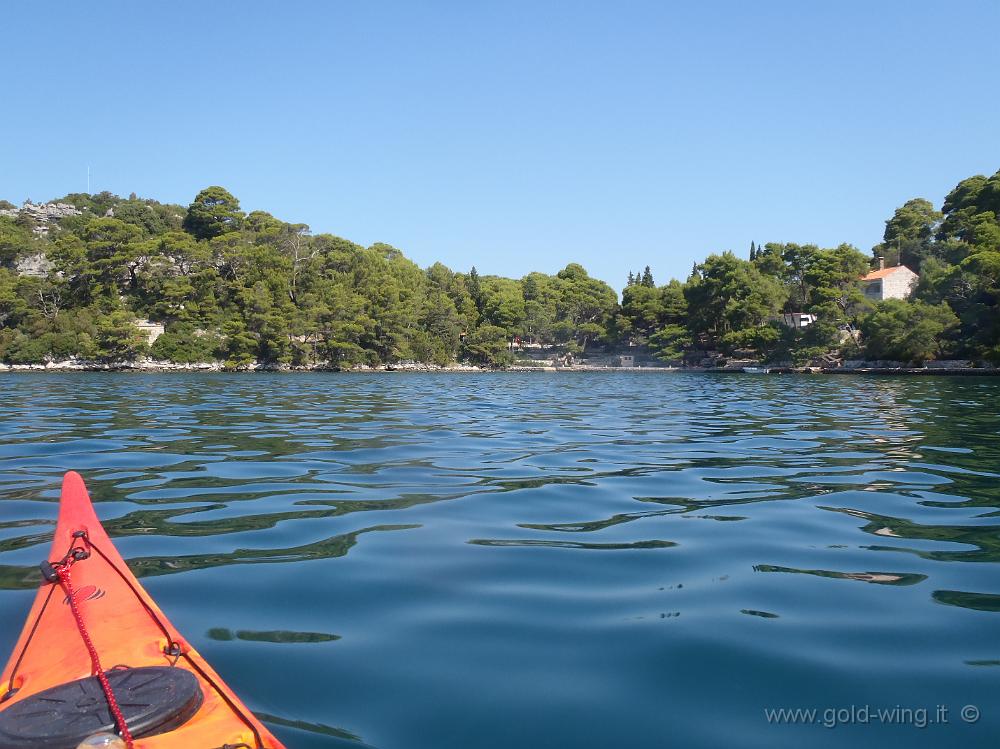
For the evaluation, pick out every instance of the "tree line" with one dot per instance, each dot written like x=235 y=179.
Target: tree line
x=243 y=287
x=735 y=306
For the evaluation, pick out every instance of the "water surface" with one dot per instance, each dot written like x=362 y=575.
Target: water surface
x=543 y=560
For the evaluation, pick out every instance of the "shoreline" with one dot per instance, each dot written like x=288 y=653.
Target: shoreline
x=154 y=366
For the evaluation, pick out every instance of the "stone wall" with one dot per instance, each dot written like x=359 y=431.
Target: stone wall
x=152 y=330
x=899 y=285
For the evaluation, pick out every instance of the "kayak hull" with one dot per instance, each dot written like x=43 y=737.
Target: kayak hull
x=127 y=629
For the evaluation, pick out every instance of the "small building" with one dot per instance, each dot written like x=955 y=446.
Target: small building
x=626 y=360
x=152 y=330
x=795 y=320
x=895 y=282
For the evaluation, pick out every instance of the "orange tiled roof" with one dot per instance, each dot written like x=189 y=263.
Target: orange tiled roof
x=875 y=275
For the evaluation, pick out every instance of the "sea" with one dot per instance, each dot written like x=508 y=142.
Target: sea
x=579 y=560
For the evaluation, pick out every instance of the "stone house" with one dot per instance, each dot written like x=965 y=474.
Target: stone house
x=896 y=282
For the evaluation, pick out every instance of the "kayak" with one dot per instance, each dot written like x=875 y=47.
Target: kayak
x=98 y=663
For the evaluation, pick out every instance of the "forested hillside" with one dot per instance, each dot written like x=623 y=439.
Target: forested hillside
x=247 y=287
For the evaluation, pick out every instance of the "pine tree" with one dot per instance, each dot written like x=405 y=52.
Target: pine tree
x=475 y=288
x=647 y=277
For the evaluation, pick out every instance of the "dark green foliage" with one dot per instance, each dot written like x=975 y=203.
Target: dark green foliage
x=669 y=342
x=139 y=213
x=118 y=339
x=186 y=344
x=972 y=212
x=251 y=288
x=16 y=241
x=641 y=310
x=909 y=234
x=488 y=345
x=585 y=307
x=213 y=212
x=645 y=310
x=728 y=296
x=907 y=331
x=39 y=338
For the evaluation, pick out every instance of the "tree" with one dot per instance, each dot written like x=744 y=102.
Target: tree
x=248 y=288
x=214 y=212
x=915 y=220
x=542 y=294
x=502 y=304
x=971 y=211
x=239 y=346
x=906 y=331
x=113 y=254
x=340 y=323
x=909 y=235
x=641 y=310
x=488 y=344
x=184 y=343
x=586 y=305
x=13 y=306
x=799 y=261
x=15 y=241
x=730 y=294
x=141 y=214
x=118 y=339
x=668 y=343
x=442 y=326
x=294 y=242
x=833 y=277
x=475 y=288
x=769 y=260
x=673 y=304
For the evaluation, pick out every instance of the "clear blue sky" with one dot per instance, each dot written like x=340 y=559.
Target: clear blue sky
x=515 y=136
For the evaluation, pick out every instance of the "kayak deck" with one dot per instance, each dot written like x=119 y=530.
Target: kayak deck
x=126 y=627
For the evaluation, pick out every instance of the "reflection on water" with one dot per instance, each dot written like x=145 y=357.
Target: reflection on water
x=223 y=634
x=761 y=614
x=882 y=578
x=336 y=546
x=977 y=601
x=573 y=544
x=338 y=736
x=442 y=526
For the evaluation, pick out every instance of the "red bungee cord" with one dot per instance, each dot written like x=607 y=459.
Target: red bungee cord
x=62 y=571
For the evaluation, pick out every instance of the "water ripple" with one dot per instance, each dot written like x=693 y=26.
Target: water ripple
x=443 y=527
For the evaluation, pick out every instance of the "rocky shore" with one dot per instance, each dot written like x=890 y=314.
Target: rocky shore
x=153 y=365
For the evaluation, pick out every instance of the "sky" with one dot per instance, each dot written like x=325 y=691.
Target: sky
x=513 y=136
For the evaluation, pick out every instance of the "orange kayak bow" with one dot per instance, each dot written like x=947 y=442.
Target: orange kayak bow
x=97 y=656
